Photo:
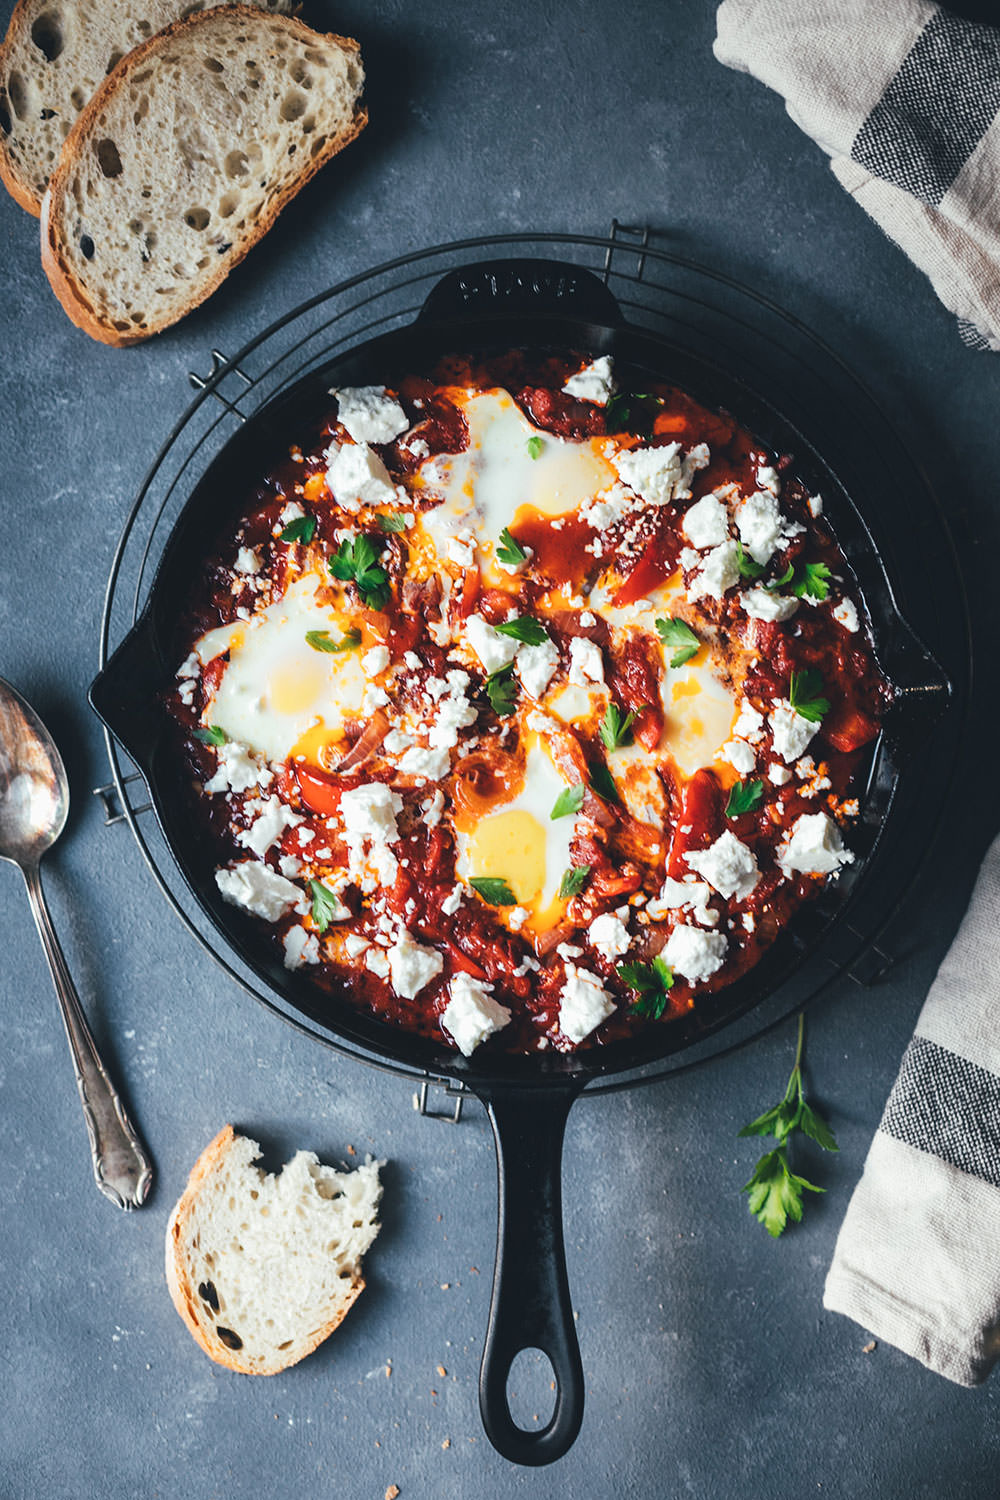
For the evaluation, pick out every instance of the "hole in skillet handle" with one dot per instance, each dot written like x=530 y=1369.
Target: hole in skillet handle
x=515 y=288
x=531 y=1306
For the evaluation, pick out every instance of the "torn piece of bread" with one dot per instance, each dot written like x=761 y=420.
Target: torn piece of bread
x=263 y=1268
x=183 y=160
x=52 y=59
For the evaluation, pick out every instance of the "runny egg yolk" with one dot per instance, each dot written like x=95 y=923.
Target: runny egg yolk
x=511 y=846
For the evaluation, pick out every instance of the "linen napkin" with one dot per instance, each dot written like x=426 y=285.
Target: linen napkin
x=917 y=1260
x=903 y=97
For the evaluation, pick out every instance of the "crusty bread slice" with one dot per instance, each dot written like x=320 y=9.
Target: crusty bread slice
x=263 y=1268
x=184 y=158
x=53 y=57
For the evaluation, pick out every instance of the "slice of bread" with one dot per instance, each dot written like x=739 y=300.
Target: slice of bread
x=183 y=160
x=263 y=1268
x=53 y=57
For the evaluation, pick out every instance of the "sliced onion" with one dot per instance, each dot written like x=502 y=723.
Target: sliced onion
x=365 y=745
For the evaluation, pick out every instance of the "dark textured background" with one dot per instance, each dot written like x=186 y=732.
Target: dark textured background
x=712 y=1369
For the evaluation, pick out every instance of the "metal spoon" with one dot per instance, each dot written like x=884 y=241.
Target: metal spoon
x=34 y=802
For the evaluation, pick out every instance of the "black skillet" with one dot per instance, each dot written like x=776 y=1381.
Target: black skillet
x=484 y=308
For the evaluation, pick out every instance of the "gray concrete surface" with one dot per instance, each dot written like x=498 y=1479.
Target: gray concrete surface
x=712 y=1369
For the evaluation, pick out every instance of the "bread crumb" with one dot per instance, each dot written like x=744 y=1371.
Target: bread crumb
x=351 y=1151
x=870 y=1348
x=388 y=1368
x=446 y=1443
x=446 y=1286
x=392 y=1492
x=442 y=1371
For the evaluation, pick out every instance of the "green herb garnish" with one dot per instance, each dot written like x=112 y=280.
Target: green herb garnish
x=302 y=529
x=535 y=446
x=744 y=797
x=678 y=633
x=573 y=881
x=394 y=521
x=815 y=582
x=211 y=735
x=748 y=568
x=325 y=904
x=616 y=727
x=620 y=414
x=652 y=984
x=603 y=783
x=320 y=640
x=804 y=689
x=510 y=552
x=501 y=690
x=569 y=800
x=775 y=1191
x=496 y=892
x=524 y=628
x=779 y=583
x=354 y=562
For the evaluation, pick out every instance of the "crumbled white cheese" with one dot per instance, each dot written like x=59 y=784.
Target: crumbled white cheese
x=290 y=866
x=369 y=817
x=749 y=920
x=455 y=713
x=706 y=524
x=516 y=917
x=815 y=847
x=272 y=820
x=377 y=962
x=417 y=447
x=609 y=507
x=689 y=559
x=247 y=561
x=462 y=549
x=846 y=614
x=728 y=866
x=583 y=1003
x=719 y=571
x=652 y=473
x=520 y=565
x=238 y=770
x=494 y=650
x=357 y=476
x=301 y=947
x=739 y=754
x=778 y=775
x=433 y=764
x=432 y=809
x=609 y=935
x=769 y=479
x=375 y=661
x=472 y=1014
x=260 y=890
x=790 y=731
x=190 y=668
x=396 y=741
x=536 y=666
x=374 y=697
x=411 y=966
x=760 y=524
x=291 y=512
x=450 y=904
x=690 y=894
x=750 y=724
x=694 y=953
x=762 y=604
x=595 y=382
x=369 y=414
x=815 y=503
x=586 y=665
x=696 y=458
x=587 y=619
x=355 y=945
x=337 y=912
x=412 y=660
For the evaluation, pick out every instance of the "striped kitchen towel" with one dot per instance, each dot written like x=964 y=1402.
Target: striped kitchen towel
x=918 y=1257
x=904 y=97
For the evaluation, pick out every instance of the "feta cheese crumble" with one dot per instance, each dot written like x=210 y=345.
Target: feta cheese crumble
x=369 y=818
x=369 y=414
x=762 y=604
x=694 y=953
x=300 y=947
x=609 y=935
x=706 y=524
x=814 y=847
x=595 y=382
x=237 y=770
x=357 y=476
x=586 y=665
x=411 y=966
x=260 y=890
x=472 y=1014
x=583 y=1003
x=790 y=732
x=494 y=650
x=719 y=571
x=845 y=613
x=761 y=525
x=536 y=666
x=268 y=826
x=652 y=473
x=728 y=866
x=684 y=895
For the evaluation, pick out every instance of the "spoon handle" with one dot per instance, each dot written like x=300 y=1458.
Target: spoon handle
x=123 y=1171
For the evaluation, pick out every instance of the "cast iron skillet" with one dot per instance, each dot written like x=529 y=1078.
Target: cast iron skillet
x=484 y=308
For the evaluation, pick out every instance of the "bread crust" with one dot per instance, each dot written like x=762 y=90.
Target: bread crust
x=185 y=1296
x=19 y=189
x=61 y=278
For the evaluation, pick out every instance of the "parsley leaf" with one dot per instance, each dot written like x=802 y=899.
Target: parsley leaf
x=496 y=892
x=744 y=796
x=394 y=521
x=501 y=690
x=573 y=881
x=325 y=904
x=320 y=640
x=652 y=984
x=814 y=581
x=302 y=529
x=535 y=446
x=569 y=800
x=621 y=415
x=616 y=727
x=678 y=633
x=779 y=583
x=748 y=568
x=211 y=735
x=524 y=628
x=775 y=1191
x=510 y=552
x=603 y=783
x=354 y=562
x=804 y=689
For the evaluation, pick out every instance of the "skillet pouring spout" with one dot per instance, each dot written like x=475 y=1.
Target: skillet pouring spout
x=531 y=1306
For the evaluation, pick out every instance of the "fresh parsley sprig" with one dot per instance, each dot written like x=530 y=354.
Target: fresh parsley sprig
x=569 y=800
x=501 y=690
x=815 y=581
x=320 y=640
x=391 y=521
x=573 y=881
x=509 y=551
x=302 y=529
x=747 y=566
x=622 y=414
x=535 y=445
x=744 y=797
x=616 y=727
x=603 y=783
x=676 y=632
x=325 y=904
x=652 y=984
x=523 y=628
x=495 y=892
x=804 y=690
x=211 y=734
x=355 y=562
x=774 y=1190
x=774 y=584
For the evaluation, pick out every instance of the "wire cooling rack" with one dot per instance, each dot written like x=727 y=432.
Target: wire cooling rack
x=695 y=308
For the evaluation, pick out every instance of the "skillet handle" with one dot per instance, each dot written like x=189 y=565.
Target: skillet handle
x=531 y=1306
x=508 y=289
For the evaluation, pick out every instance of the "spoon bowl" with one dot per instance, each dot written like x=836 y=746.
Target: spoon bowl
x=34 y=805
